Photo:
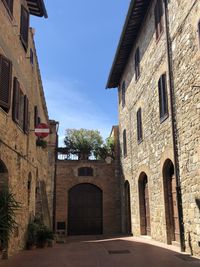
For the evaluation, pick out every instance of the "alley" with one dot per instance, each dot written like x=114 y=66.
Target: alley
x=96 y=252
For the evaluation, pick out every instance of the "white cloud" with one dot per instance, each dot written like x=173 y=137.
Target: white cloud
x=68 y=104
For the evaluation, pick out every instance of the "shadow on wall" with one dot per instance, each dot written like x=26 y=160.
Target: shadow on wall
x=197 y=200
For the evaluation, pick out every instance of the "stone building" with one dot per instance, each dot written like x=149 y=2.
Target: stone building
x=25 y=166
x=88 y=196
x=156 y=70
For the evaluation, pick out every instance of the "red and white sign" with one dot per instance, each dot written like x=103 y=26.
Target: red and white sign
x=42 y=130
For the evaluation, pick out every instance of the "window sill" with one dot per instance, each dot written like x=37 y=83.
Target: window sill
x=164 y=118
x=159 y=37
x=137 y=79
x=140 y=141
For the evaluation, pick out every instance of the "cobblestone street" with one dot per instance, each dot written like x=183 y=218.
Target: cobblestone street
x=96 y=252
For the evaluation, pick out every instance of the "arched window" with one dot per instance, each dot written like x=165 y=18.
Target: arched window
x=85 y=171
x=3 y=175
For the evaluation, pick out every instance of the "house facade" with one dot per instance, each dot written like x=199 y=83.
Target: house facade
x=156 y=70
x=25 y=166
x=88 y=197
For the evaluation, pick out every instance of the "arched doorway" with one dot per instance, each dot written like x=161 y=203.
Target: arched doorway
x=171 y=208
x=3 y=175
x=85 y=210
x=145 y=225
x=3 y=185
x=127 y=208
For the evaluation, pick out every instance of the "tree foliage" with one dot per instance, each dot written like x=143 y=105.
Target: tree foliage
x=85 y=143
x=82 y=142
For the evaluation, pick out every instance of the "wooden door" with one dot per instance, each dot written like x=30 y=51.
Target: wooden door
x=147 y=209
x=145 y=224
x=127 y=208
x=173 y=224
x=176 y=233
x=85 y=210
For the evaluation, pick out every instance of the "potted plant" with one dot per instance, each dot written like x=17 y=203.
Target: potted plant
x=8 y=207
x=32 y=232
x=41 y=143
x=44 y=235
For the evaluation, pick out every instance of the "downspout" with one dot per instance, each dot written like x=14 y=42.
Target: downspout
x=174 y=127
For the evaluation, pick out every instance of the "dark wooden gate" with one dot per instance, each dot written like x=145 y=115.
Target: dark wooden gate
x=85 y=211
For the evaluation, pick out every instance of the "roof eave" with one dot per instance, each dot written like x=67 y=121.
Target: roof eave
x=37 y=8
x=108 y=85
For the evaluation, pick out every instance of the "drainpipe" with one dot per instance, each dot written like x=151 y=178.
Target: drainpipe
x=174 y=127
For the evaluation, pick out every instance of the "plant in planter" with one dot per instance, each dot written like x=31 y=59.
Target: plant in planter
x=82 y=142
x=44 y=235
x=42 y=143
x=32 y=232
x=8 y=207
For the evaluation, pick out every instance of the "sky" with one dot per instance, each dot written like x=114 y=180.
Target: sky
x=76 y=47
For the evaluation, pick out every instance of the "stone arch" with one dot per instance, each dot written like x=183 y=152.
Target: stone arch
x=127 y=208
x=170 y=199
x=3 y=175
x=85 y=210
x=145 y=225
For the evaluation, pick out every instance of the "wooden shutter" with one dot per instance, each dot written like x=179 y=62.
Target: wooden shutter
x=5 y=82
x=158 y=14
x=9 y=5
x=139 y=125
x=15 y=106
x=26 y=114
x=137 y=63
x=24 y=26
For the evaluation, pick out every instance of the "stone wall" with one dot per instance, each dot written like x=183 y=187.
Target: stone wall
x=25 y=162
x=104 y=178
x=184 y=19
x=149 y=155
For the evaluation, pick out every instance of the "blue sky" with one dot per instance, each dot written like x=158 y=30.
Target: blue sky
x=76 y=47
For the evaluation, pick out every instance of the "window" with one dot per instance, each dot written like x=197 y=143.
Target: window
x=123 y=94
x=85 y=171
x=9 y=6
x=139 y=125
x=20 y=107
x=5 y=82
x=124 y=143
x=158 y=13
x=61 y=225
x=163 y=103
x=31 y=56
x=24 y=27
x=137 y=63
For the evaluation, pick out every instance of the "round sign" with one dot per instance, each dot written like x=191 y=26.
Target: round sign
x=42 y=130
